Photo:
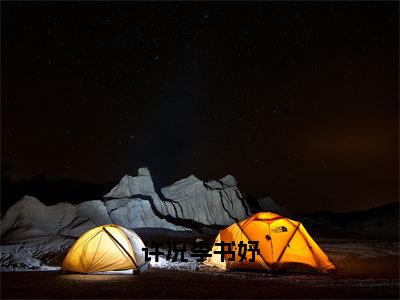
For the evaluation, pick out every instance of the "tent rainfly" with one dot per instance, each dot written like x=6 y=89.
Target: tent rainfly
x=283 y=243
x=106 y=248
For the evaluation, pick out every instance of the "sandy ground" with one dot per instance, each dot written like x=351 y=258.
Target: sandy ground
x=368 y=269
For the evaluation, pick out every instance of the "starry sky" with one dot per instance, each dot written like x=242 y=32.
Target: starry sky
x=297 y=101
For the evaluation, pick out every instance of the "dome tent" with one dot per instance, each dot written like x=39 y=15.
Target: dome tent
x=106 y=248
x=283 y=243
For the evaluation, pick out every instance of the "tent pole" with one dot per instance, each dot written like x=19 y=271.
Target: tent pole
x=123 y=248
x=276 y=263
x=262 y=256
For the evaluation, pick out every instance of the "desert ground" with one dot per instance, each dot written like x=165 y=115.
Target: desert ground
x=368 y=268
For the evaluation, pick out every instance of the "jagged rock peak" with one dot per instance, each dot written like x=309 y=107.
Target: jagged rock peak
x=184 y=183
x=29 y=218
x=229 y=180
x=130 y=186
x=216 y=202
x=143 y=172
x=226 y=182
x=189 y=203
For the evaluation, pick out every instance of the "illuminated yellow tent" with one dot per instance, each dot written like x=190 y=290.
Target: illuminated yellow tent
x=105 y=248
x=283 y=243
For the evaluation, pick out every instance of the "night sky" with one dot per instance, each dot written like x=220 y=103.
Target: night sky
x=297 y=102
